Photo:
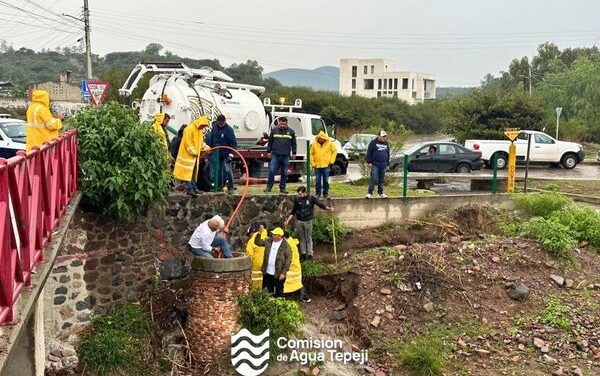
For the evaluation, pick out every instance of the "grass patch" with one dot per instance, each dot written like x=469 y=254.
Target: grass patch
x=324 y=226
x=579 y=187
x=555 y=314
x=583 y=221
x=315 y=269
x=427 y=354
x=357 y=188
x=118 y=343
x=424 y=356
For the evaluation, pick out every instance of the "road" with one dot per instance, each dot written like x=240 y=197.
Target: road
x=581 y=172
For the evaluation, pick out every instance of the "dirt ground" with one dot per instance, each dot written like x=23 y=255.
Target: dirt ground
x=455 y=273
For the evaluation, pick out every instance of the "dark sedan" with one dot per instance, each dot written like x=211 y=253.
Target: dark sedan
x=442 y=157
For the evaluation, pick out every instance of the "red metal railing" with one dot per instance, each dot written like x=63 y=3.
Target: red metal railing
x=35 y=189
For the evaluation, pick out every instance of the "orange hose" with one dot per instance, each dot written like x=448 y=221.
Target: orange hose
x=239 y=205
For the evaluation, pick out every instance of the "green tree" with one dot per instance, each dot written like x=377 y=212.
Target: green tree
x=484 y=114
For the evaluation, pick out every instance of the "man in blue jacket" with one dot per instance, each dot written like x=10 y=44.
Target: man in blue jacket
x=378 y=159
x=282 y=143
x=221 y=134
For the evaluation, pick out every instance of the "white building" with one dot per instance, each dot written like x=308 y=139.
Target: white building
x=374 y=78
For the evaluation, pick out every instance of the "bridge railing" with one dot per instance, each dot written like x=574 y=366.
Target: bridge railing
x=35 y=190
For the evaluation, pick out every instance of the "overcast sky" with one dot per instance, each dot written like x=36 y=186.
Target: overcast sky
x=457 y=40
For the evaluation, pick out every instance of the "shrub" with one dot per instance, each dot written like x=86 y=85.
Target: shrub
x=260 y=311
x=117 y=342
x=555 y=314
x=540 y=204
x=423 y=356
x=124 y=166
x=582 y=220
x=555 y=236
x=323 y=229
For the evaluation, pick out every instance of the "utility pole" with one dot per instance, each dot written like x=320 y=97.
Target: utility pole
x=529 y=66
x=88 y=48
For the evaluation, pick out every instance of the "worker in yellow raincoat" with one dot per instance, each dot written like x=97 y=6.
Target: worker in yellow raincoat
x=293 y=281
x=41 y=125
x=161 y=120
x=188 y=157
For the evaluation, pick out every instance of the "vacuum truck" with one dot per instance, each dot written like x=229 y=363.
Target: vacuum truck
x=187 y=93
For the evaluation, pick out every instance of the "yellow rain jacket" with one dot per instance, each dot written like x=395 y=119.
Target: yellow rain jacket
x=192 y=144
x=322 y=156
x=157 y=127
x=293 y=281
x=41 y=125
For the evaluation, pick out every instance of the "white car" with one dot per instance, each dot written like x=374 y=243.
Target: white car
x=12 y=136
x=544 y=149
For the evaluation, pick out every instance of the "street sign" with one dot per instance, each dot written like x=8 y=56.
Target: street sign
x=512 y=133
x=512 y=168
x=97 y=91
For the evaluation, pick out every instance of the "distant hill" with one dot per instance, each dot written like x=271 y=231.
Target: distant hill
x=323 y=78
x=451 y=91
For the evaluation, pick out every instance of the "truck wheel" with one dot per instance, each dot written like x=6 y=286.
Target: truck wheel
x=463 y=168
x=569 y=161
x=502 y=160
x=337 y=169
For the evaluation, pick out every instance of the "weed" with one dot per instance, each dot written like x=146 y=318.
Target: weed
x=582 y=220
x=555 y=236
x=324 y=226
x=259 y=311
x=424 y=356
x=117 y=342
x=314 y=269
x=555 y=314
x=540 y=204
x=395 y=279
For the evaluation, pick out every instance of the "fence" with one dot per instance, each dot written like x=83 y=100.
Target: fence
x=35 y=190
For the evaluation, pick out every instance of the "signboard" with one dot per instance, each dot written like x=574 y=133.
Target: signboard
x=97 y=90
x=512 y=133
x=84 y=91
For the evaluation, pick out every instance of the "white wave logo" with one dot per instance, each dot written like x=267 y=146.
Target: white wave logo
x=250 y=353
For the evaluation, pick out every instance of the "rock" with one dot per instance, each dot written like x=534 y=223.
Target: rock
x=545 y=349
x=582 y=345
x=428 y=307
x=482 y=352
x=66 y=352
x=389 y=308
x=173 y=268
x=400 y=247
x=380 y=373
x=569 y=283
x=53 y=358
x=557 y=279
x=518 y=292
x=461 y=343
x=577 y=371
x=559 y=372
x=385 y=291
x=315 y=371
x=548 y=359
x=582 y=284
x=376 y=321
x=496 y=259
x=338 y=315
x=521 y=347
x=304 y=371
x=341 y=307
x=538 y=342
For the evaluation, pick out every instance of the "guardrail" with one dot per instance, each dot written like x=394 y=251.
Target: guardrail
x=35 y=190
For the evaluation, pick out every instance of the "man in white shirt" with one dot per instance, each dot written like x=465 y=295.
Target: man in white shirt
x=205 y=239
x=276 y=261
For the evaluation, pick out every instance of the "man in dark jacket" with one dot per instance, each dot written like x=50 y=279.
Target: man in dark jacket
x=282 y=142
x=378 y=159
x=221 y=134
x=304 y=211
x=276 y=261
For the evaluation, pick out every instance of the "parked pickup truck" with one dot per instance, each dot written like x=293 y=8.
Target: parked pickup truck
x=544 y=149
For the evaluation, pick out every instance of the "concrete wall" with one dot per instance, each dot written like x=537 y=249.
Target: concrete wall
x=19 y=106
x=363 y=213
